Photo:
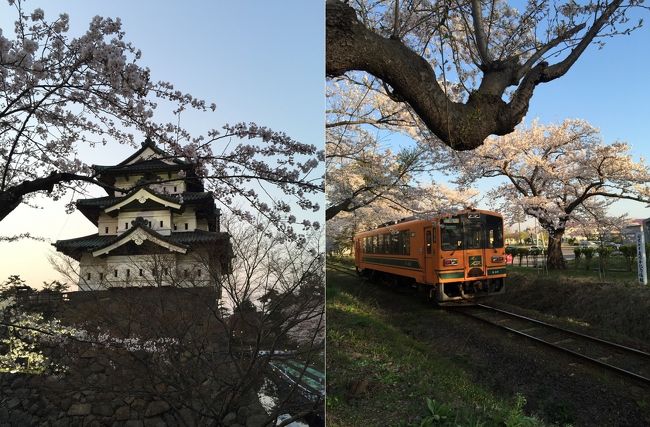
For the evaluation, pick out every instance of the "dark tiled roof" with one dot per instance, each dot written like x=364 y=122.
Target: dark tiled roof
x=85 y=242
x=102 y=202
x=95 y=241
x=152 y=164
x=143 y=166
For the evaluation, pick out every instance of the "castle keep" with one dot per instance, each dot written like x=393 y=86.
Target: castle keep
x=157 y=227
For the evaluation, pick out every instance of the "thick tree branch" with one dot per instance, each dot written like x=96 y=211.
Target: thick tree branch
x=462 y=126
x=11 y=198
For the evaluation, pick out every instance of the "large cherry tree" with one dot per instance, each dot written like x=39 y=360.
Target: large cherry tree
x=557 y=174
x=467 y=68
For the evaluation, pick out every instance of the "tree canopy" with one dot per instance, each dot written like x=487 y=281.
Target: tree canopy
x=469 y=68
x=557 y=173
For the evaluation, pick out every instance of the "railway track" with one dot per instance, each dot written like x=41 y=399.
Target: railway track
x=342 y=268
x=626 y=361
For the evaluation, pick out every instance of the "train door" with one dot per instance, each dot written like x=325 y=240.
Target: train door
x=474 y=253
x=428 y=254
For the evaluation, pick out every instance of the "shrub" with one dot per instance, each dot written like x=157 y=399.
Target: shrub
x=578 y=253
x=629 y=253
x=603 y=255
x=523 y=252
x=589 y=254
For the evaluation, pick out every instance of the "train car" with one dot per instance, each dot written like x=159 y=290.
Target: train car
x=453 y=258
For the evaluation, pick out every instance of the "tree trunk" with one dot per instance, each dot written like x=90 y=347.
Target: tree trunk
x=555 y=259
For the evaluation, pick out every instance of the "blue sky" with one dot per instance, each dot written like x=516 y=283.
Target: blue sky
x=609 y=88
x=258 y=61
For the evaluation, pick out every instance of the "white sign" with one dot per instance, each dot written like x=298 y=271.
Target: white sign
x=640 y=256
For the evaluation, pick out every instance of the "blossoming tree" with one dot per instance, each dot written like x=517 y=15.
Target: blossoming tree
x=361 y=170
x=60 y=92
x=468 y=69
x=555 y=172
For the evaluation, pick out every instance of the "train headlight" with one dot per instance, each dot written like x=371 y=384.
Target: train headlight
x=497 y=259
x=450 y=261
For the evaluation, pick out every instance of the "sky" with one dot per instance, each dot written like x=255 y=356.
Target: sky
x=259 y=61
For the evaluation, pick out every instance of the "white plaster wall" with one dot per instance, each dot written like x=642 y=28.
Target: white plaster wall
x=166 y=186
x=155 y=217
x=189 y=217
x=107 y=221
x=169 y=271
x=93 y=266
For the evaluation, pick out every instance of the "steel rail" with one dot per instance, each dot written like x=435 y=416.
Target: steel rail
x=568 y=331
x=341 y=269
x=562 y=349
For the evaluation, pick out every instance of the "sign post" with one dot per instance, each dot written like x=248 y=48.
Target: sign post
x=640 y=256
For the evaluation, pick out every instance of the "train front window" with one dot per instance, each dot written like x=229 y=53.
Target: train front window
x=494 y=231
x=474 y=234
x=451 y=234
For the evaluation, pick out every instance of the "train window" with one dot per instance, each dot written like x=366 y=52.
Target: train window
x=451 y=236
x=405 y=245
x=494 y=228
x=428 y=240
x=474 y=235
x=395 y=247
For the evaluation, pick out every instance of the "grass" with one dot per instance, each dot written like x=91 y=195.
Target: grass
x=615 y=307
x=378 y=375
x=616 y=269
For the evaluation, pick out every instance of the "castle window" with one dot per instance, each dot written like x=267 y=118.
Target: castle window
x=198 y=273
x=115 y=272
x=175 y=227
x=141 y=272
x=88 y=276
x=161 y=224
x=174 y=189
x=101 y=276
x=128 y=272
x=106 y=230
x=186 y=226
x=126 y=225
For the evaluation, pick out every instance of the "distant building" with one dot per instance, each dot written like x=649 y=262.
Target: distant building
x=630 y=231
x=157 y=227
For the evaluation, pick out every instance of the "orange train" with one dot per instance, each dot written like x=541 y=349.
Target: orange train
x=453 y=258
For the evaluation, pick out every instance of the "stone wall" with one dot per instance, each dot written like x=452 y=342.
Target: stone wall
x=96 y=395
x=102 y=383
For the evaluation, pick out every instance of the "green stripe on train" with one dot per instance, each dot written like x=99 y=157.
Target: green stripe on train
x=452 y=275
x=496 y=271
x=408 y=263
